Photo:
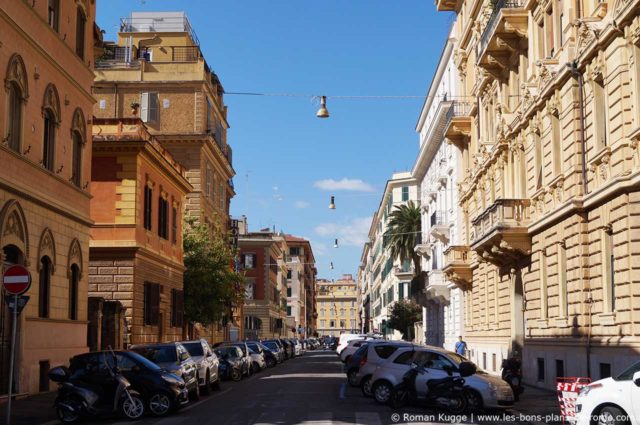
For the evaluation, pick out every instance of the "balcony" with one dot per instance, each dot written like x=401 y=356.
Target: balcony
x=500 y=234
x=129 y=57
x=406 y=272
x=457 y=266
x=504 y=35
x=458 y=122
x=446 y=5
x=423 y=250
x=437 y=288
x=158 y=23
x=439 y=226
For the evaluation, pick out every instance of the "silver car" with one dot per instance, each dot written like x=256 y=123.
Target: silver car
x=257 y=360
x=207 y=363
x=485 y=391
x=377 y=353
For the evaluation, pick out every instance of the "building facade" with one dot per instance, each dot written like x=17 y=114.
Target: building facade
x=301 y=279
x=549 y=194
x=45 y=151
x=436 y=171
x=135 y=258
x=336 y=305
x=156 y=70
x=262 y=260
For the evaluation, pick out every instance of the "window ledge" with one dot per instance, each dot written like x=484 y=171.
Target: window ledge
x=607 y=319
x=561 y=322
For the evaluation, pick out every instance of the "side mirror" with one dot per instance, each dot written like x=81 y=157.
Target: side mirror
x=636 y=378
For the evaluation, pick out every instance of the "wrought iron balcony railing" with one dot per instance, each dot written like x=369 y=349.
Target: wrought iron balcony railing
x=493 y=22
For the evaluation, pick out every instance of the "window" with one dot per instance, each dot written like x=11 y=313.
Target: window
x=174 y=225
x=288 y=311
x=177 y=308
x=294 y=250
x=559 y=368
x=562 y=278
x=405 y=193
x=248 y=261
x=608 y=270
x=605 y=370
x=49 y=140
x=538 y=158
x=74 y=283
x=14 y=127
x=148 y=197
x=556 y=143
x=549 y=41
x=76 y=164
x=81 y=23
x=332 y=323
x=289 y=273
x=163 y=217
x=599 y=112
x=541 y=372
x=44 y=286
x=52 y=14
x=544 y=310
x=484 y=360
x=209 y=115
x=384 y=351
x=494 y=362
x=289 y=292
x=404 y=358
x=149 y=107
x=151 y=304
x=208 y=182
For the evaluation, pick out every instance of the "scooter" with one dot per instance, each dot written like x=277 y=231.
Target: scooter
x=512 y=373
x=107 y=394
x=448 y=393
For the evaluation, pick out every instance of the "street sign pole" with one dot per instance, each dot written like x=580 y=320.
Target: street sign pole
x=13 y=355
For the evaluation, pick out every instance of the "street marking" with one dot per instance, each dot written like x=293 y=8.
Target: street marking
x=319 y=418
x=343 y=389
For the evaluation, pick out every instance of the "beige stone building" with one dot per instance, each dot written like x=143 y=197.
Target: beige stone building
x=156 y=70
x=336 y=306
x=46 y=61
x=550 y=195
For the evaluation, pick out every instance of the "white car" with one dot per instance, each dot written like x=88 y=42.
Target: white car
x=611 y=401
x=344 y=339
x=207 y=363
x=352 y=347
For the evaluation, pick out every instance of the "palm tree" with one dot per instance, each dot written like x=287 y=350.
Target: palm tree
x=403 y=233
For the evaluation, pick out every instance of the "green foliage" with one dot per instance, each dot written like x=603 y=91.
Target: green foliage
x=403 y=233
x=404 y=313
x=211 y=286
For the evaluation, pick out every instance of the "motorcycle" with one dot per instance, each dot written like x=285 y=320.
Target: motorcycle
x=448 y=393
x=94 y=393
x=512 y=374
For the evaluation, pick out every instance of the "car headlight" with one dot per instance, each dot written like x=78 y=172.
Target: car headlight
x=493 y=388
x=586 y=390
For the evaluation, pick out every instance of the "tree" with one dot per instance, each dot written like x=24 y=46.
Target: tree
x=404 y=313
x=210 y=284
x=403 y=233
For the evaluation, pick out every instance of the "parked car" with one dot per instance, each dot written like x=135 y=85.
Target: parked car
x=161 y=390
x=288 y=348
x=484 y=390
x=207 y=363
x=344 y=339
x=614 y=400
x=352 y=347
x=231 y=362
x=173 y=357
x=377 y=352
x=270 y=358
x=247 y=370
x=297 y=347
x=275 y=348
x=356 y=360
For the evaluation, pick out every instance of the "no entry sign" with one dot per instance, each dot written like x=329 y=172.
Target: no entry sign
x=16 y=280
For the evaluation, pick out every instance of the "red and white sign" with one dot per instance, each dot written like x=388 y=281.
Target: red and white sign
x=16 y=280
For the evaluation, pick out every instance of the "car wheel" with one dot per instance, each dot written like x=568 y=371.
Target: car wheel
x=216 y=384
x=236 y=375
x=206 y=389
x=381 y=391
x=365 y=386
x=194 y=394
x=612 y=415
x=256 y=367
x=271 y=362
x=474 y=400
x=352 y=377
x=159 y=404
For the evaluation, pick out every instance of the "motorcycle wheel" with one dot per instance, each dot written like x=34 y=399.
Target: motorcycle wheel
x=133 y=407
x=457 y=403
x=68 y=416
x=160 y=404
x=474 y=401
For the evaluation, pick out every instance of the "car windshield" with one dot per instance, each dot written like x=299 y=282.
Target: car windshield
x=230 y=351
x=144 y=361
x=457 y=359
x=162 y=354
x=271 y=345
x=627 y=375
x=194 y=348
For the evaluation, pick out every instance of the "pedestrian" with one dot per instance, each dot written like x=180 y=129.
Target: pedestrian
x=461 y=347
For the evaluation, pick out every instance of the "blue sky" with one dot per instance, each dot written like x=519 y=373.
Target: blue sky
x=288 y=162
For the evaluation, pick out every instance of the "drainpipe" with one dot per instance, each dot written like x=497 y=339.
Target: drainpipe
x=573 y=66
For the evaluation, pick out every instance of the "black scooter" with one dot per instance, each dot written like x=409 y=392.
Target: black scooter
x=512 y=373
x=448 y=393
x=94 y=394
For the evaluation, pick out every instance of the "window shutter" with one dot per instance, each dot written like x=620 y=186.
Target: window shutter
x=144 y=107
x=154 y=107
x=180 y=312
x=147 y=304
x=155 y=307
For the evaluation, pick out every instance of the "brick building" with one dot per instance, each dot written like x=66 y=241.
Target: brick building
x=135 y=259
x=156 y=70
x=45 y=149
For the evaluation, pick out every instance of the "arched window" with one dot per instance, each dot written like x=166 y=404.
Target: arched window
x=51 y=119
x=81 y=23
x=44 y=286
x=12 y=255
x=17 y=93
x=74 y=283
x=78 y=131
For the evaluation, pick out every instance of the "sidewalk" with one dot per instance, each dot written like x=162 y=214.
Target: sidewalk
x=33 y=410
x=538 y=406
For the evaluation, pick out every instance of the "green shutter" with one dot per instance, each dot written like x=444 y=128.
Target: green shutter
x=400 y=290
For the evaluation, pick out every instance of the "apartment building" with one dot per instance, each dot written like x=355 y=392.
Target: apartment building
x=45 y=151
x=301 y=277
x=336 y=304
x=549 y=194
x=155 y=70
x=262 y=260
x=135 y=257
x=389 y=279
